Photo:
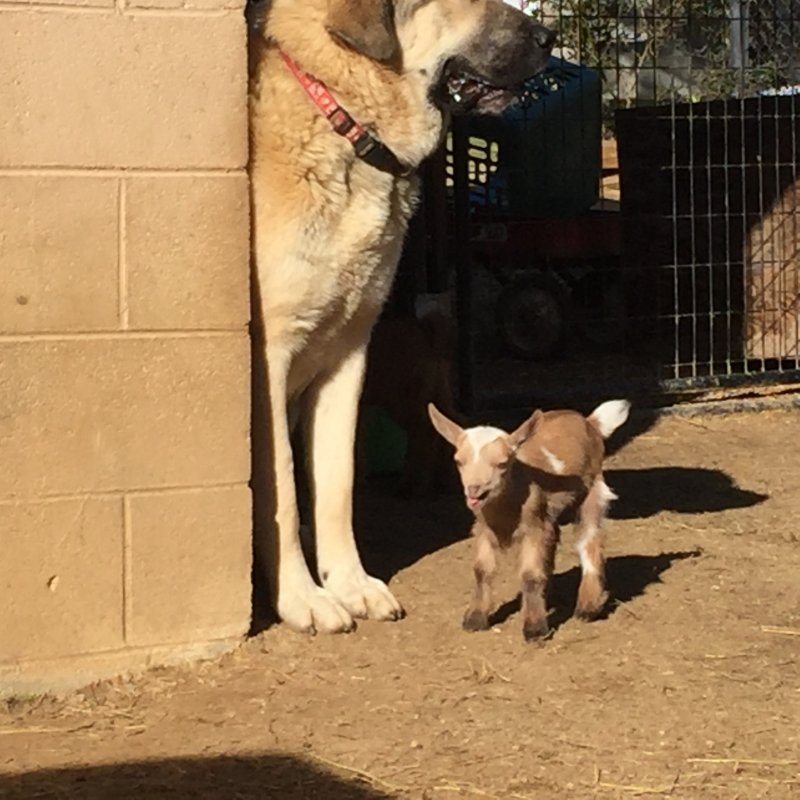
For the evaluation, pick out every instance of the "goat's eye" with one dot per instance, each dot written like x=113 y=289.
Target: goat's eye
x=459 y=462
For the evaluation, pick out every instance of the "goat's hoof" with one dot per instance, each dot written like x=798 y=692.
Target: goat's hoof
x=588 y=614
x=475 y=621
x=536 y=630
x=592 y=610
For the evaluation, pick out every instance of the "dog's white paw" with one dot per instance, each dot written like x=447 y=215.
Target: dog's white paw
x=309 y=608
x=363 y=596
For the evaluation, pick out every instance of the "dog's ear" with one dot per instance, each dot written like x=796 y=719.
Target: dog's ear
x=366 y=26
x=446 y=428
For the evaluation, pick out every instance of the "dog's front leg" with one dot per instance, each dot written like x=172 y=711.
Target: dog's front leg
x=332 y=416
x=299 y=602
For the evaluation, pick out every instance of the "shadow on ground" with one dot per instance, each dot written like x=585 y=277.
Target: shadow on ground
x=627 y=577
x=685 y=490
x=395 y=533
x=252 y=777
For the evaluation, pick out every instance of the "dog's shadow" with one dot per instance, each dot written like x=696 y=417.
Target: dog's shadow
x=627 y=577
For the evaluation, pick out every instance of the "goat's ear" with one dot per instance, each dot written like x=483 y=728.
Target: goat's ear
x=526 y=430
x=366 y=26
x=448 y=429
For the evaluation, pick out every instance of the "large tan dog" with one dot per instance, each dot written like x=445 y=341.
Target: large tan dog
x=330 y=209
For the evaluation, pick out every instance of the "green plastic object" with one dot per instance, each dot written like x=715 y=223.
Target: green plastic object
x=386 y=443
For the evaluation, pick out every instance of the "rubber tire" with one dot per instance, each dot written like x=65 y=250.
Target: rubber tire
x=546 y=297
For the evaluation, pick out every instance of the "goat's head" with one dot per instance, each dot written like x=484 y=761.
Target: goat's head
x=483 y=454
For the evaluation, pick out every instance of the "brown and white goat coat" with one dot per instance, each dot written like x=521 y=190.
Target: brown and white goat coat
x=519 y=486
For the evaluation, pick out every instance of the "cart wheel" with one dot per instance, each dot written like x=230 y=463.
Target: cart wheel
x=531 y=317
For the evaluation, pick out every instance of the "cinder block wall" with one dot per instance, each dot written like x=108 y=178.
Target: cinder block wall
x=124 y=356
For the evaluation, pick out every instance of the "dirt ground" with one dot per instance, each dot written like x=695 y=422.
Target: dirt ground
x=690 y=688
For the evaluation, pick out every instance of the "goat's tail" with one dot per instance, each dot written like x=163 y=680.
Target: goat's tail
x=608 y=416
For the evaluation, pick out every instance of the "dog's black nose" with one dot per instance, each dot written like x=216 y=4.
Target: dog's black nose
x=544 y=37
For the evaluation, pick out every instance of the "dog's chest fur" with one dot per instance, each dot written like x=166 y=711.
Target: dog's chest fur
x=328 y=228
x=334 y=261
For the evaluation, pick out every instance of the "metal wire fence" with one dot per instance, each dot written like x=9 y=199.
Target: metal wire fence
x=634 y=220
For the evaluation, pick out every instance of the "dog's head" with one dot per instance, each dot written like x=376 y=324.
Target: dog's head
x=473 y=54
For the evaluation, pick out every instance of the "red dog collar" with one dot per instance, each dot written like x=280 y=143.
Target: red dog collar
x=369 y=149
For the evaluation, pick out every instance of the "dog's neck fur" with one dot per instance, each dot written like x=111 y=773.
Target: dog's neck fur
x=416 y=127
x=368 y=147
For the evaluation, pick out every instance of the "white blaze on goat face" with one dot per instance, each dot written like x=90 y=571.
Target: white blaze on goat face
x=482 y=456
x=480 y=436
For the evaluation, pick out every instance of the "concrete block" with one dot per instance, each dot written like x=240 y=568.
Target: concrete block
x=65 y=674
x=58 y=254
x=103 y=414
x=97 y=90
x=191 y=563
x=236 y=5
x=68 y=3
x=187 y=245
x=60 y=578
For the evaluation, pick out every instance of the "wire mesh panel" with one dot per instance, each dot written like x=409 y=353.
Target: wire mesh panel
x=679 y=274
x=711 y=244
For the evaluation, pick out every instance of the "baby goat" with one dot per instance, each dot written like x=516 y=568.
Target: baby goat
x=519 y=485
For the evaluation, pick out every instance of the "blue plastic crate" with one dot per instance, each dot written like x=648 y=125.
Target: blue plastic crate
x=542 y=158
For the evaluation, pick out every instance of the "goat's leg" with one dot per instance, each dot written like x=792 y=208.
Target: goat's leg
x=476 y=617
x=332 y=417
x=592 y=594
x=537 y=557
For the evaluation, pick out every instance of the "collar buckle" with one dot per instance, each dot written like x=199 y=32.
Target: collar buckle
x=364 y=144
